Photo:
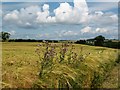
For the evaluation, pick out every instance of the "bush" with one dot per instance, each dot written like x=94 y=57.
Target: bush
x=81 y=42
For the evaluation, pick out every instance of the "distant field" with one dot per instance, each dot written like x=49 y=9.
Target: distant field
x=21 y=67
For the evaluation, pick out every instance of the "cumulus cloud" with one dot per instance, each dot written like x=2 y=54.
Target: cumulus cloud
x=69 y=14
x=45 y=7
x=41 y=17
x=34 y=16
x=101 y=30
x=12 y=16
x=28 y=24
x=64 y=13
x=24 y=14
x=44 y=17
x=99 y=13
x=86 y=30
x=91 y=30
x=68 y=33
x=23 y=17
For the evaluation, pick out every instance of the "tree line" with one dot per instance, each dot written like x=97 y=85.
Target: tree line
x=100 y=41
x=97 y=41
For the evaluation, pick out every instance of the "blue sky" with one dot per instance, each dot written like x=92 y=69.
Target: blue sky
x=60 y=20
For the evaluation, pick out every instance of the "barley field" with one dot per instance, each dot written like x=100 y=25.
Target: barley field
x=57 y=65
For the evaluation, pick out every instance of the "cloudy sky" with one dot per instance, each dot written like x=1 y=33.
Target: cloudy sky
x=60 y=20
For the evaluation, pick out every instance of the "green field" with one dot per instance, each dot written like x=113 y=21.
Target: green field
x=21 y=67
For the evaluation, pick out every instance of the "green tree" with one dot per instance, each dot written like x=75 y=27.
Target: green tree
x=4 y=36
x=99 y=40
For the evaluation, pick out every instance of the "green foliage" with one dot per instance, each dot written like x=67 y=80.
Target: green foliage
x=112 y=44
x=118 y=59
x=99 y=40
x=97 y=80
x=4 y=36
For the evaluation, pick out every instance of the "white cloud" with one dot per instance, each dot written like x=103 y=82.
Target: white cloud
x=94 y=23
x=22 y=18
x=101 y=30
x=51 y=19
x=30 y=10
x=42 y=17
x=84 y=33
x=45 y=7
x=99 y=13
x=23 y=15
x=91 y=30
x=64 y=13
x=69 y=33
x=12 y=16
x=65 y=33
x=81 y=6
x=69 y=14
x=86 y=30
x=28 y=24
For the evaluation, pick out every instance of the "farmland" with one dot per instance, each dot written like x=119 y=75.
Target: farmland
x=21 y=66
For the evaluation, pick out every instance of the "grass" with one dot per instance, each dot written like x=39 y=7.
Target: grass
x=21 y=67
x=112 y=79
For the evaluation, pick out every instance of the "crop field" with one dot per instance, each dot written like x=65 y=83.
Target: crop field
x=57 y=65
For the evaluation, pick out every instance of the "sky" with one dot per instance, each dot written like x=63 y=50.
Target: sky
x=60 y=20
